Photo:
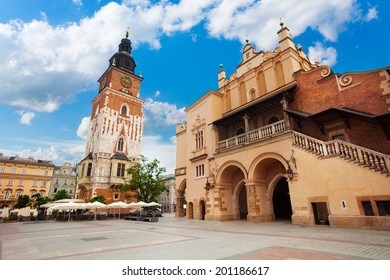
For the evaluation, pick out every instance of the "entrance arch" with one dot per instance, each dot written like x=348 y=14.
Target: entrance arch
x=202 y=209
x=267 y=182
x=230 y=180
x=281 y=200
x=180 y=199
x=242 y=202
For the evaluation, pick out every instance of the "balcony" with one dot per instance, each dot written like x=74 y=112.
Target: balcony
x=253 y=136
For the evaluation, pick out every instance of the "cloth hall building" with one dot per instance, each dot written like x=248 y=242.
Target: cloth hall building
x=284 y=138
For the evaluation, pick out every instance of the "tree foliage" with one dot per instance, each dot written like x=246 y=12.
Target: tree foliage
x=99 y=198
x=146 y=180
x=61 y=194
x=23 y=201
x=38 y=200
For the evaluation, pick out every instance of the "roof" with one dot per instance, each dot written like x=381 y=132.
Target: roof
x=29 y=160
x=120 y=156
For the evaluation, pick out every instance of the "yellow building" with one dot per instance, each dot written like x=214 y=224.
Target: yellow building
x=23 y=176
x=284 y=138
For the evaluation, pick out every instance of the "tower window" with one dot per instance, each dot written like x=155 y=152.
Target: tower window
x=124 y=110
x=120 y=172
x=89 y=170
x=120 y=144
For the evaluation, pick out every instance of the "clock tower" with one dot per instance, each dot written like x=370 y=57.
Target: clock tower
x=115 y=129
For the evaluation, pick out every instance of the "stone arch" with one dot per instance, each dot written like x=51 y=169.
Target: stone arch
x=230 y=176
x=180 y=198
x=228 y=165
x=237 y=204
x=265 y=173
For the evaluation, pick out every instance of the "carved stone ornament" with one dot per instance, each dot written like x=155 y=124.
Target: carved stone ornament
x=198 y=123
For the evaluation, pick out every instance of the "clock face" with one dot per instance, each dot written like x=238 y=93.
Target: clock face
x=103 y=83
x=126 y=81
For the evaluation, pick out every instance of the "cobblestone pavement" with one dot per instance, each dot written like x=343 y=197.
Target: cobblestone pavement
x=179 y=238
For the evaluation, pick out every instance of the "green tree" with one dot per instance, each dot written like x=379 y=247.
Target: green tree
x=62 y=194
x=146 y=180
x=98 y=198
x=38 y=200
x=23 y=201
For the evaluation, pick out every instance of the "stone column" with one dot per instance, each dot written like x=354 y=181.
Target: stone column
x=246 y=121
x=219 y=204
x=284 y=103
x=258 y=204
x=179 y=203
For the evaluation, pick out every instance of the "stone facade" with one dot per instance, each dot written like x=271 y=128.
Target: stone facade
x=284 y=138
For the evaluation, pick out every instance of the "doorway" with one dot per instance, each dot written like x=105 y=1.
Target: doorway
x=202 y=210
x=281 y=201
x=243 y=203
x=320 y=211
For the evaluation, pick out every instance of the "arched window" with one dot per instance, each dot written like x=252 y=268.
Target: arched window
x=120 y=144
x=124 y=110
x=240 y=131
x=273 y=119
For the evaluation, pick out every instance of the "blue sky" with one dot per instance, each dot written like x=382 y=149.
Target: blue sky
x=53 y=52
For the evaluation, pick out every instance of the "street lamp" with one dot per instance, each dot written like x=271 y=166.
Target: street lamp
x=208 y=186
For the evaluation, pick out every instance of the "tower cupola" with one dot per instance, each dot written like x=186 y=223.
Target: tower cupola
x=122 y=58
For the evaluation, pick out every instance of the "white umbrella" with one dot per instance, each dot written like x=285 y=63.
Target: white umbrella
x=153 y=204
x=118 y=204
x=138 y=204
x=68 y=206
x=5 y=213
x=95 y=205
x=66 y=200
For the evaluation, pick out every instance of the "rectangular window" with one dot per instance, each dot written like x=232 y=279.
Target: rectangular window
x=2 y=169
x=89 y=170
x=367 y=207
x=7 y=195
x=82 y=170
x=24 y=171
x=38 y=172
x=21 y=182
x=199 y=140
x=199 y=171
x=13 y=170
x=44 y=184
x=383 y=207
x=46 y=172
x=35 y=183
x=120 y=172
x=10 y=182
x=18 y=193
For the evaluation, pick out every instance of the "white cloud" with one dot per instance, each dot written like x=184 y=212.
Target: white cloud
x=78 y=2
x=50 y=65
x=372 y=14
x=58 y=152
x=161 y=114
x=154 y=148
x=27 y=118
x=82 y=130
x=325 y=56
x=157 y=93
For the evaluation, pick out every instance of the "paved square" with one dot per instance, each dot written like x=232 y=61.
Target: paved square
x=179 y=238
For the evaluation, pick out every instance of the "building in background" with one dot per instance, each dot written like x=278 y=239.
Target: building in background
x=168 y=198
x=64 y=178
x=23 y=176
x=286 y=139
x=115 y=129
